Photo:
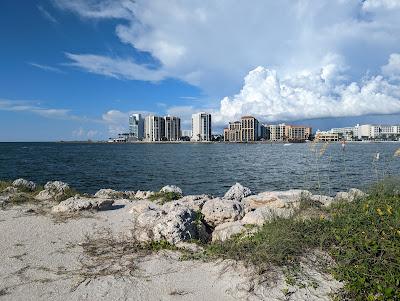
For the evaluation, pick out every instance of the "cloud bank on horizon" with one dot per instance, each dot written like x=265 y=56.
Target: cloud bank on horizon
x=307 y=59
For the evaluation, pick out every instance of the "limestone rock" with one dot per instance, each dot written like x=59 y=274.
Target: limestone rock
x=194 y=202
x=324 y=200
x=24 y=184
x=141 y=206
x=176 y=226
x=77 y=203
x=55 y=190
x=350 y=196
x=142 y=195
x=171 y=188
x=226 y=230
x=237 y=192
x=218 y=211
x=265 y=214
x=109 y=194
x=277 y=199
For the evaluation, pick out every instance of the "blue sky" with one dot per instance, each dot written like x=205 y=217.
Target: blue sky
x=75 y=69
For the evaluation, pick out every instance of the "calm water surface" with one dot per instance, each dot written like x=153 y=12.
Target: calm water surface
x=200 y=168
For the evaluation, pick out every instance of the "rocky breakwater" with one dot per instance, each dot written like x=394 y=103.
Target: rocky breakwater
x=170 y=216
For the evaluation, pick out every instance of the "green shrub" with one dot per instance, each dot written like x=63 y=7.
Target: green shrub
x=164 y=197
x=363 y=238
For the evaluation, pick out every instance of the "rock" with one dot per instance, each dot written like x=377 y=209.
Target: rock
x=194 y=202
x=324 y=200
x=77 y=203
x=55 y=190
x=142 y=195
x=176 y=226
x=141 y=206
x=237 y=192
x=130 y=194
x=109 y=194
x=276 y=199
x=191 y=247
x=171 y=188
x=262 y=215
x=10 y=190
x=152 y=223
x=24 y=184
x=218 y=211
x=350 y=196
x=224 y=231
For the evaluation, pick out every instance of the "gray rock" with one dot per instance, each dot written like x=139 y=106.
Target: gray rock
x=24 y=184
x=141 y=206
x=276 y=199
x=237 y=192
x=142 y=195
x=265 y=214
x=109 y=194
x=77 y=203
x=144 y=223
x=194 y=202
x=324 y=200
x=171 y=188
x=55 y=190
x=350 y=196
x=218 y=211
x=226 y=230
x=176 y=226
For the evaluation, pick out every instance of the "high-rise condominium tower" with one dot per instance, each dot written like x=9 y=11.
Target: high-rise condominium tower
x=201 y=127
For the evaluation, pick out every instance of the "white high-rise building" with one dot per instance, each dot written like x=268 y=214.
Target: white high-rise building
x=154 y=128
x=201 y=127
x=136 y=126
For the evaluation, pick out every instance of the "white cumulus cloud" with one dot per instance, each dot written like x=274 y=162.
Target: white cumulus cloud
x=309 y=94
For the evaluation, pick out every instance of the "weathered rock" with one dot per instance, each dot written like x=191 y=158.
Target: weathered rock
x=194 y=202
x=350 y=196
x=265 y=214
x=24 y=184
x=141 y=206
x=171 y=188
x=77 y=203
x=176 y=226
x=324 y=200
x=10 y=190
x=218 y=211
x=109 y=194
x=130 y=194
x=142 y=195
x=55 y=190
x=276 y=199
x=152 y=223
x=237 y=192
x=226 y=230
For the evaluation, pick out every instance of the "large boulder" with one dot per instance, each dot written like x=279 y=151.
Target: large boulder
x=265 y=214
x=142 y=195
x=77 y=203
x=176 y=226
x=218 y=211
x=55 y=190
x=171 y=188
x=24 y=184
x=225 y=231
x=153 y=223
x=323 y=200
x=276 y=199
x=237 y=192
x=109 y=194
x=194 y=202
x=350 y=196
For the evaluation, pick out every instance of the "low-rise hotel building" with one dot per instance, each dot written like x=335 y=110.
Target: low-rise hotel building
x=326 y=136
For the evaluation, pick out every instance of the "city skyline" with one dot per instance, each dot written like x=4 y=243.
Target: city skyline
x=76 y=70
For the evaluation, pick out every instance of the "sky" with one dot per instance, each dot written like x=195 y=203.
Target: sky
x=76 y=69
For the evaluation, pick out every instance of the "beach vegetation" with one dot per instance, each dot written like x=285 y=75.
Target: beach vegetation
x=165 y=197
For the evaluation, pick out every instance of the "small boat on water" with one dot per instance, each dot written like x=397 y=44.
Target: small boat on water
x=286 y=144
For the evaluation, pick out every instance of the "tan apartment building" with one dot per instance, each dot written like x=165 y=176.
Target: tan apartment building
x=247 y=129
x=295 y=133
x=326 y=137
x=250 y=129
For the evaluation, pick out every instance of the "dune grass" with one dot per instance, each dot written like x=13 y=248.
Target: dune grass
x=362 y=237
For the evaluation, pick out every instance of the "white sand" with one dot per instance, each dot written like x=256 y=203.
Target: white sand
x=39 y=257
